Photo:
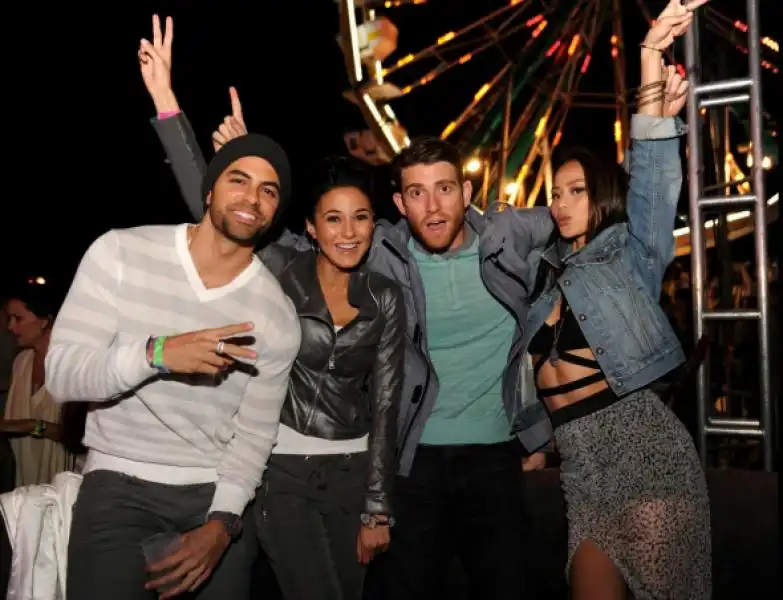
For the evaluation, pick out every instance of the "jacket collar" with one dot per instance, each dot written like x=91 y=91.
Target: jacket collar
x=599 y=250
x=313 y=303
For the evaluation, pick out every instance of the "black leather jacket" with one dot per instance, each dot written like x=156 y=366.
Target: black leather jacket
x=347 y=384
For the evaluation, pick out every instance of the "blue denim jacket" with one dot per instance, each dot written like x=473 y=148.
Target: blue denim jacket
x=612 y=284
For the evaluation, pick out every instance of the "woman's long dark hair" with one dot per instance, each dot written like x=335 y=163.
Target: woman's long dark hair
x=607 y=191
x=336 y=172
x=43 y=301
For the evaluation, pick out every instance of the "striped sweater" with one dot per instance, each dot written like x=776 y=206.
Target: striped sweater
x=175 y=429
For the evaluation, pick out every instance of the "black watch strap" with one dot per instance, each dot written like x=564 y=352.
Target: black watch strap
x=230 y=521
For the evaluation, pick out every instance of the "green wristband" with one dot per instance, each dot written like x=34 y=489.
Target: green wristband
x=157 y=353
x=39 y=430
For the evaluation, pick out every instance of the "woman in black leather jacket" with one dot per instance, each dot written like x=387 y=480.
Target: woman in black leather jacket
x=323 y=510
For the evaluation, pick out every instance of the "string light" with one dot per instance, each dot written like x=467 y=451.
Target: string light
x=540 y=127
x=574 y=45
x=585 y=64
x=473 y=166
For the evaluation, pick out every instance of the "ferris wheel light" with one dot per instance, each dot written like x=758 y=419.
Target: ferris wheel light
x=511 y=188
x=766 y=163
x=473 y=166
x=749 y=160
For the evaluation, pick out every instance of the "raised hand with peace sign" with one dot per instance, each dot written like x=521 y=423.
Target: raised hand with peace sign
x=233 y=126
x=155 y=62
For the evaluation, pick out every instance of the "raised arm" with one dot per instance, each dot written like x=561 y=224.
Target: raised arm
x=185 y=157
x=256 y=423
x=171 y=125
x=88 y=359
x=655 y=176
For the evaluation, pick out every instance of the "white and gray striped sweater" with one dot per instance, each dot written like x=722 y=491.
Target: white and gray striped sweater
x=139 y=282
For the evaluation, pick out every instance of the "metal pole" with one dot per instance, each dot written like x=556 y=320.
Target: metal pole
x=760 y=227
x=504 y=142
x=621 y=114
x=697 y=229
x=485 y=184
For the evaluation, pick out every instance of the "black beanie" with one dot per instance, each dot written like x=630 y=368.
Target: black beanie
x=252 y=144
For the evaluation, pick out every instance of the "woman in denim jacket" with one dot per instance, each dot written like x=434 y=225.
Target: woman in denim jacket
x=583 y=279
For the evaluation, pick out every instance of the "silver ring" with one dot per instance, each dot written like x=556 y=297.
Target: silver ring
x=220 y=347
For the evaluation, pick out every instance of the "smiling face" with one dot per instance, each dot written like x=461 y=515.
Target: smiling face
x=342 y=226
x=434 y=200
x=244 y=200
x=570 y=201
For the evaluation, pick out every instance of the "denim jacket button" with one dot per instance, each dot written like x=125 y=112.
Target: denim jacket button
x=599 y=350
x=582 y=317
x=567 y=282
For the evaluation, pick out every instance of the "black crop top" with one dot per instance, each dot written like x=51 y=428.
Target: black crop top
x=553 y=343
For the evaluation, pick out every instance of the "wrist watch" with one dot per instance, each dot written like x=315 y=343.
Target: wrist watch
x=231 y=522
x=373 y=521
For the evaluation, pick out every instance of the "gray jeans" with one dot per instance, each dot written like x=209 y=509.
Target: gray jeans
x=115 y=513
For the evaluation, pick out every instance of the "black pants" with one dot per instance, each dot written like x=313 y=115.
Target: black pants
x=464 y=502
x=115 y=513
x=308 y=518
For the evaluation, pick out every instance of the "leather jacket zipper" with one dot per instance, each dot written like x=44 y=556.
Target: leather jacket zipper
x=330 y=364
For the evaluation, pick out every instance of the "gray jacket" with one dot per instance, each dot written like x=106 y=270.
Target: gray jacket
x=389 y=256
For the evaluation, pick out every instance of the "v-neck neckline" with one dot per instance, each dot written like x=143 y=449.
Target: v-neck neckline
x=203 y=293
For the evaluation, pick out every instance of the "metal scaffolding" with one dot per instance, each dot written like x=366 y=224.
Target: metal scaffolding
x=718 y=94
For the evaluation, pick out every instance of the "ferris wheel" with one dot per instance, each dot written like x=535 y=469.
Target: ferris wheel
x=535 y=55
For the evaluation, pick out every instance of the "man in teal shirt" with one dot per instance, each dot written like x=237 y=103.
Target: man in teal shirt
x=469 y=338
x=460 y=490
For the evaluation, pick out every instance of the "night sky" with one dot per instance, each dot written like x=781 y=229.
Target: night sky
x=85 y=159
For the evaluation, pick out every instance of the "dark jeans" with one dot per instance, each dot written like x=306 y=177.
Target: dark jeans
x=308 y=518
x=464 y=502
x=115 y=513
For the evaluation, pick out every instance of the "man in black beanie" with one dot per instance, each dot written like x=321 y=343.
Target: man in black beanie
x=184 y=342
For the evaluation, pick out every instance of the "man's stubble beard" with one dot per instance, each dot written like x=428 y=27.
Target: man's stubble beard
x=221 y=223
x=456 y=224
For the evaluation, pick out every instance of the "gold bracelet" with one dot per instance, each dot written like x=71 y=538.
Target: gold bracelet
x=643 y=45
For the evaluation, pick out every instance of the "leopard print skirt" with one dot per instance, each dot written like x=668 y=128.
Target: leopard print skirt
x=634 y=486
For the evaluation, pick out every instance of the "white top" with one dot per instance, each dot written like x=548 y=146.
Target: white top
x=173 y=429
x=290 y=441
